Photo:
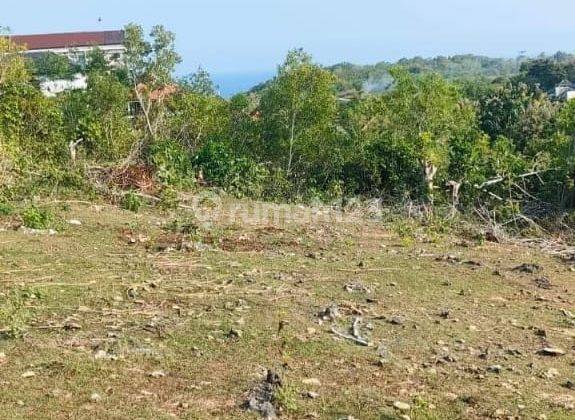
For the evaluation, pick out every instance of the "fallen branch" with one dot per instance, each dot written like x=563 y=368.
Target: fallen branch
x=355 y=336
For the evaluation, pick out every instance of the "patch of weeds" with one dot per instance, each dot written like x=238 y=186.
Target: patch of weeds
x=38 y=218
x=286 y=398
x=6 y=209
x=14 y=314
x=186 y=225
x=169 y=199
x=131 y=202
x=406 y=229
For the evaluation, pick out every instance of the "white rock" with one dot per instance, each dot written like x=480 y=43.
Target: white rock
x=74 y=222
x=402 y=406
x=29 y=374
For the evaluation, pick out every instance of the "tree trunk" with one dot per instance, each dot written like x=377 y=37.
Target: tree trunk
x=291 y=143
x=430 y=170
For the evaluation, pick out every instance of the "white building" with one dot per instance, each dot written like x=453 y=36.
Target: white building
x=565 y=91
x=74 y=45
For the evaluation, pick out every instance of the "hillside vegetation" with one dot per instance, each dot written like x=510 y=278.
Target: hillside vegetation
x=295 y=251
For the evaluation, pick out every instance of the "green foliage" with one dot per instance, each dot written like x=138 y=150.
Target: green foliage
x=173 y=164
x=169 y=199
x=38 y=218
x=6 y=209
x=54 y=66
x=298 y=111
x=239 y=176
x=132 y=202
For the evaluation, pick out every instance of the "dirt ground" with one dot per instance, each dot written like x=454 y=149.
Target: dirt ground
x=168 y=315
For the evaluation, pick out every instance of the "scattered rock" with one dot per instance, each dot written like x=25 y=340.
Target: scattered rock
x=551 y=351
x=104 y=355
x=397 y=320
x=311 y=381
x=551 y=373
x=157 y=374
x=401 y=406
x=331 y=313
x=453 y=259
x=528 y=268
x=261 y=397
x=311 y=395
x=495 y=369
x=95 y=397
x=543 y=283
x=357 y=287
x=28 y=374
x=74 y=222
x=234 y=334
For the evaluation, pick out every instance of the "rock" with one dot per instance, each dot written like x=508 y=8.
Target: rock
x=495 y=369
x=397 y=320
x=72 y=326
x=28 y=374
x=157 y=374
x=331 y=313
x=551 y=351
x=311 y=395
x=543 y=283
x=569 y=384
x=95 y=397
x=234 y=334
x=104 y=355
x=401 y=406
x=551 y=373
x=528 y=268
x=444 y=313
x=74 y=222
x=311 y=381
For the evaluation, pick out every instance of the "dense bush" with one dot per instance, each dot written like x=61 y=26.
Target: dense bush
x=503 y=144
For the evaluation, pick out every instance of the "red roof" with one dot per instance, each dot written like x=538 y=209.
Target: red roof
x=69 y=40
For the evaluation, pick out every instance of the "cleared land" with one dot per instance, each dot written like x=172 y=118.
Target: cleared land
x=142 y=316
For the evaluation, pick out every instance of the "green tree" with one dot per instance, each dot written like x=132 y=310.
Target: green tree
x=423 y=116
x=298 y=110
x=150 y=65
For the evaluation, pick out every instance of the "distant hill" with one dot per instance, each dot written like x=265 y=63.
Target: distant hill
x=545 y=70
x=376 y=78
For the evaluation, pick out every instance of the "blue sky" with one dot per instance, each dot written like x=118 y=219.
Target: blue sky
x=243 y=36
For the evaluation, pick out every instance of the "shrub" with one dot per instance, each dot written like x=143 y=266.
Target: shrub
x=6 y=209
x=132 y=202
x=238 y=175
x=38 y=218
x=172 y=163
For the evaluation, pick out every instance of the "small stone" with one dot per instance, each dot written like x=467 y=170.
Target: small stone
x=29 y=374
x=311 y=381
x=157 y=374
x=397 y=320
x=551 y=373
x=95 y=397
x=311 y=395
x=72 y=326
x=401 y=406
x=74 y=222
x=495 y=369
x=551 y=351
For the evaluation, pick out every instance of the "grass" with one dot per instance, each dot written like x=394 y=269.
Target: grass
x=96 y=311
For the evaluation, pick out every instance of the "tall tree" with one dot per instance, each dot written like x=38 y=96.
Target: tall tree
x=298 y=109
x=150 y=65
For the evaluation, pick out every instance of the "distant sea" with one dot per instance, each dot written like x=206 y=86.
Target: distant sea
x=231 y=83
